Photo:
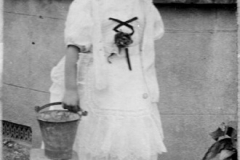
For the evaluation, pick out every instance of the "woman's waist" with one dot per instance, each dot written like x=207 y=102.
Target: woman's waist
x=133 y=51
x=117 y=67
x=114 y=62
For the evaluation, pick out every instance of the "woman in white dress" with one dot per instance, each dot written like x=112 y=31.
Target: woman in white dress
x=109 y=71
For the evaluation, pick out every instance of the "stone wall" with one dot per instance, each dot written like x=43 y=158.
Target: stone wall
x=196 y=65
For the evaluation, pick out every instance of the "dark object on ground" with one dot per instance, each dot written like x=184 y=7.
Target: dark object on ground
x=225 y=145
x=218 y=147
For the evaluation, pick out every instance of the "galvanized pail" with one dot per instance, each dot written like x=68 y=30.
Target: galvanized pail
x=58 y=128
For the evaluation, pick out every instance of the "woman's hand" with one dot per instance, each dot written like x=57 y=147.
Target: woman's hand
x=71 y=100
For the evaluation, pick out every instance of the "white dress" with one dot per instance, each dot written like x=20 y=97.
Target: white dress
x=123 y=123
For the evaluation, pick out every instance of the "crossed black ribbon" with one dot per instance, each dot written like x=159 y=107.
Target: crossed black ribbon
x=127 y=35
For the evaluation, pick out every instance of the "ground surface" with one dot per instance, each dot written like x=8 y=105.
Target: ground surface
x=13 y=150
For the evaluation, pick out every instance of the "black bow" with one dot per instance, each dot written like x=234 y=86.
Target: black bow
x=122 y=39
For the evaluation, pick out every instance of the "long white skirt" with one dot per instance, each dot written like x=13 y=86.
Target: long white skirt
x=122 y=123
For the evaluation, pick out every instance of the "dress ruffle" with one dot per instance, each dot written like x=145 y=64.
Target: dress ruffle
x=119 y=136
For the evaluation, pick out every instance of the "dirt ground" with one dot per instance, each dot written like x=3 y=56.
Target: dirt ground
x=13 y=150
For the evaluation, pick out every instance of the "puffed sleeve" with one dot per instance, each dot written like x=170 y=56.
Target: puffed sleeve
x=79 y=24
x=158 y=24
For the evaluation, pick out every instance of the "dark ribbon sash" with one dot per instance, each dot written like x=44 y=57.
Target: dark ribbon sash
x=127 y=36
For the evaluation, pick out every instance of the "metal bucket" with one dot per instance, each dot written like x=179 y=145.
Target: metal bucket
x=58 y=128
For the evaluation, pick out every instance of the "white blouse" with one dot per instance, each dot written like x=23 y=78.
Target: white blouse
x=88 y=26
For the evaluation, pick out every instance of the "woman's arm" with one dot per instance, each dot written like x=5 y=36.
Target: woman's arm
x=71 y=97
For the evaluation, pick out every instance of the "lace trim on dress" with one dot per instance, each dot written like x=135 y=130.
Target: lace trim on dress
x=120 y=137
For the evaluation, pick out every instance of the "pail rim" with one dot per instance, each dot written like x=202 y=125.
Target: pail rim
x=58 y=116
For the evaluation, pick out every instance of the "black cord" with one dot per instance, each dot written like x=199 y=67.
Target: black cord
x=128 y=59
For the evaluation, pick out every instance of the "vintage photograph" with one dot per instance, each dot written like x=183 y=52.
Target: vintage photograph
x=119 y=79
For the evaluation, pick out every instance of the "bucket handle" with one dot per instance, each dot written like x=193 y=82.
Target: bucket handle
x=38 y=108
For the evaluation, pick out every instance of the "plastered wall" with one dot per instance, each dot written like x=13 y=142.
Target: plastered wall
x=196 y=65
x=197 y=70
x=33 y=44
